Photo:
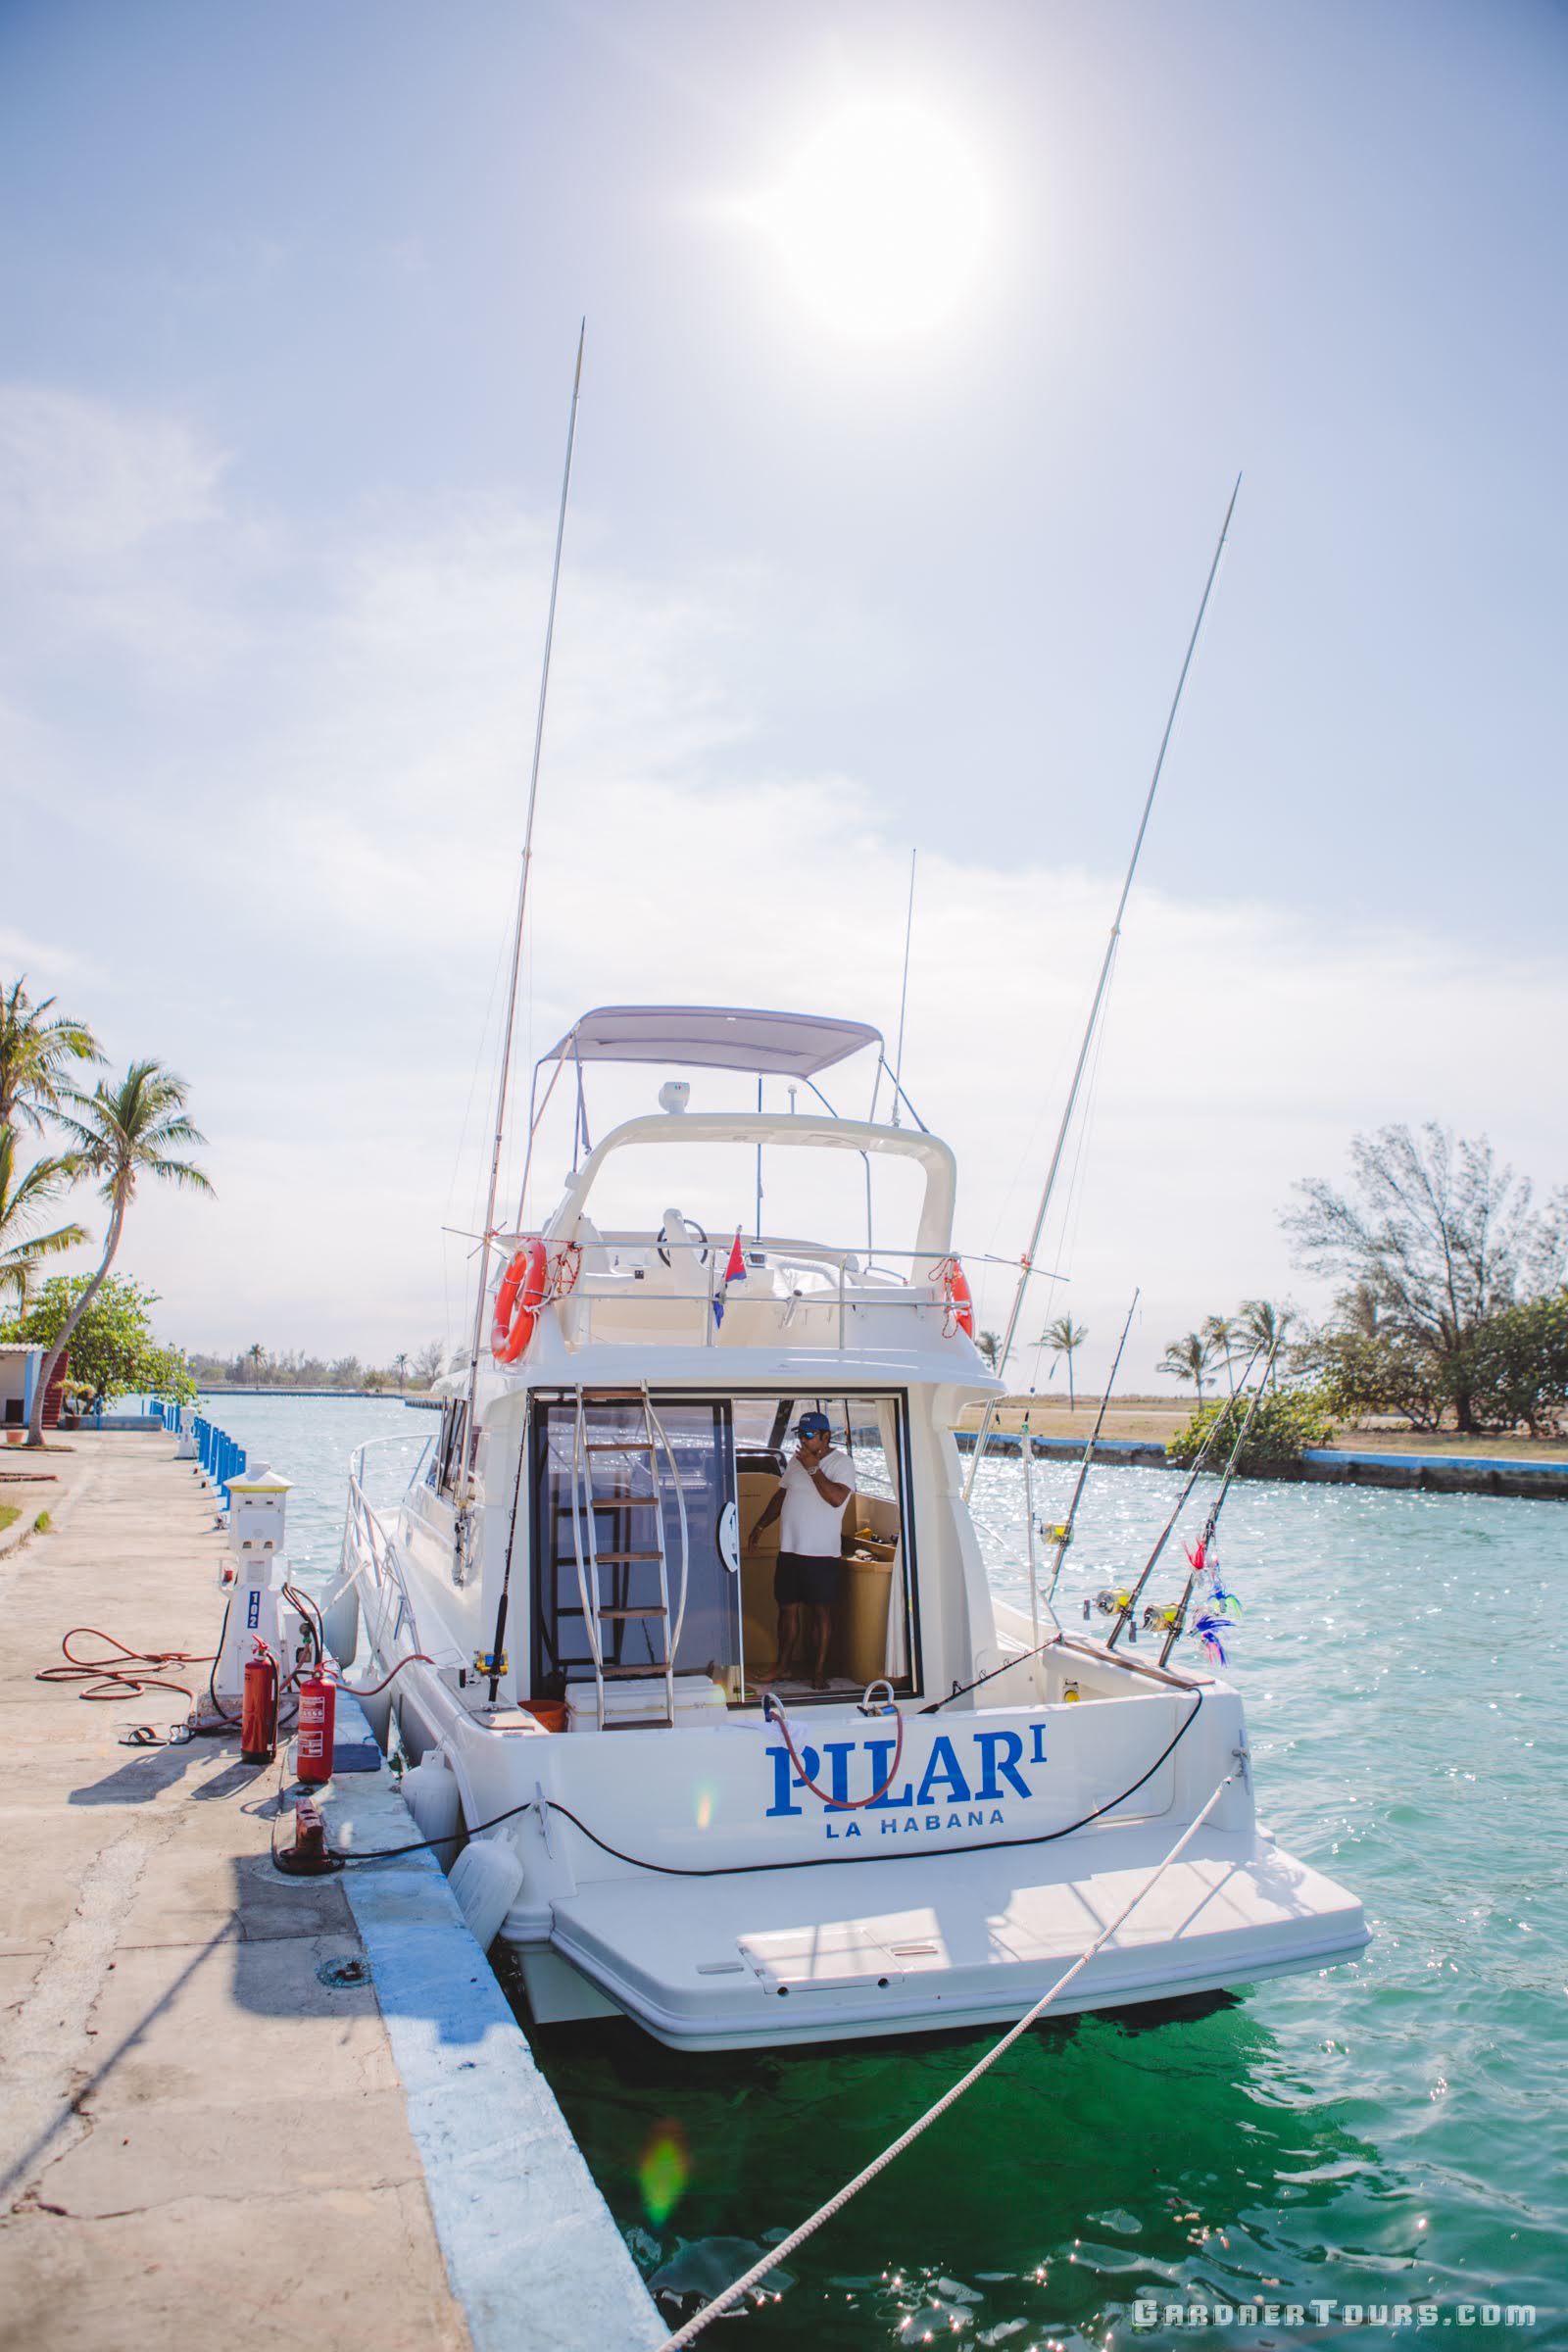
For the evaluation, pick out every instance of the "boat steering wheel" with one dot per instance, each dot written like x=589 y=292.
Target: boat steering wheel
x=702 y=1253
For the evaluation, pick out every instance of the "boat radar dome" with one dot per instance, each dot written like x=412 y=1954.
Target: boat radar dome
x=674 y=1094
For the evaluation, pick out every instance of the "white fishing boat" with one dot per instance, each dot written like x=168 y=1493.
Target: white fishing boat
x=580 y=1604
x=749 y=1796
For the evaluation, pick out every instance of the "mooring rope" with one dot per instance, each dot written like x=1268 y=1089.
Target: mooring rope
x=835 y=2204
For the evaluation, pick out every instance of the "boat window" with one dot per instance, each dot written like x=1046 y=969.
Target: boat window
x=446 y=1460
x=608 y=1541
x=872 y=1631
x=633 y=1528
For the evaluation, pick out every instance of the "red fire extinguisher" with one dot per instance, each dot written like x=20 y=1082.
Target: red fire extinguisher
x=258 y=1718
x=317 y=1714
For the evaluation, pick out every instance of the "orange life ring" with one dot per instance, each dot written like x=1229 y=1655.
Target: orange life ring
x=959 y=1297
x=518 y=1299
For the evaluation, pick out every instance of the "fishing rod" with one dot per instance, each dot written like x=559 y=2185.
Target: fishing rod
x=1027 y=1265
x=1064 y=1532
x=1063 y=1539
x=1166 y=1533
x=1197 y=1559
x=523 y=906
x=904 y=994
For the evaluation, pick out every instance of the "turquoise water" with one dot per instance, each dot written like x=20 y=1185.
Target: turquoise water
x=1388 y=2133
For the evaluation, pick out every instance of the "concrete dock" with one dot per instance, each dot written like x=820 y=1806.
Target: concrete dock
x=232 y=2103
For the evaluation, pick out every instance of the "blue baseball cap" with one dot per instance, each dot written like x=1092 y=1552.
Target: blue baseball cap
x=814 y=1425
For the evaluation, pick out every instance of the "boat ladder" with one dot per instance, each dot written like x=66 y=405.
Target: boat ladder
x=633 y=1496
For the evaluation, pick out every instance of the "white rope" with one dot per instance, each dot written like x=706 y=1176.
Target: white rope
x=835 y=2204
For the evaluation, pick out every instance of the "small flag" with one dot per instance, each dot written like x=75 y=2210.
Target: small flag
x=734 y=1271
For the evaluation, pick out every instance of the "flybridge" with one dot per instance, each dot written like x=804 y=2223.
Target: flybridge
x=794 y=1046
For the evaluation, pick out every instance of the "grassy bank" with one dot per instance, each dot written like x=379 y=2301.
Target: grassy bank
x=1155 y=1420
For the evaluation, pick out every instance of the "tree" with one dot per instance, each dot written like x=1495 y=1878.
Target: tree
x=256 y=1357
x=113 y=1350
x=1189 y=1359
x=1220 y=1333
x=1277 y=1433
x=1064 y=1337
x=1435 y=1238
x=1517 y=1367
x=989 y=1346
x=35 y=1055
x=399 y=1365
x=22 y=1202
x=429 y=1364
x=123 y=1133
x=1261 y=1327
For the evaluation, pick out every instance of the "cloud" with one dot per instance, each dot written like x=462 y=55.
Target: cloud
x=300 y=877
x=82 y=484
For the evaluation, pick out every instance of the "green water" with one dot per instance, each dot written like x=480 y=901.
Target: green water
x=1388 y=2133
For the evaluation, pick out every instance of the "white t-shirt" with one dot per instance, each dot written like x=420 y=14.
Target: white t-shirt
x=809 y=1524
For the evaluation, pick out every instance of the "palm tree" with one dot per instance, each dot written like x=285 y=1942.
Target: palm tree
x=1189 y=1359
x=22 y=1201
x=988 y=1346
x=1264 y=1326
x=137 y=1128
x=1220 y=1333
x=1064 y=1336
x=35 y=1055
x=399 y=1365
x=256 y=1357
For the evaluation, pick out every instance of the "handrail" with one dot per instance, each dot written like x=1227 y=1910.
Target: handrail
x=685 y=1531
x=582 y=1496
x=384 y=1563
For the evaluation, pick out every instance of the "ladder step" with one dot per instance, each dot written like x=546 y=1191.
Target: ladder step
x=641 y=1723
x=653 y=1612
x=633 y=1673
x=617 y=1445
x=603 y=1556
x=608 y=1502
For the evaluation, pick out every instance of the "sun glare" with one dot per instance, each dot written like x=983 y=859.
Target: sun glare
x=881 y=220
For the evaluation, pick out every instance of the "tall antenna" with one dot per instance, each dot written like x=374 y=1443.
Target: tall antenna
x=903 y=996
x=489 y=1229
x=1023 y=1290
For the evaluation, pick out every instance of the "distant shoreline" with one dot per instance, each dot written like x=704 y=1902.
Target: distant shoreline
x=270 y=1389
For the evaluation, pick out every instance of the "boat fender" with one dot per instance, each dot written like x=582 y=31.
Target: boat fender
x=430 y=1792
x=375 y=1698
x=518 y=1299
x=340 y=1623
x=486 y=1879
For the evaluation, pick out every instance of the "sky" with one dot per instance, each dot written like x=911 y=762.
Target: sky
x=925 y=346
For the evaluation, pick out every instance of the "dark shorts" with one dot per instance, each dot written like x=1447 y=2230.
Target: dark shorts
x=800 y=1577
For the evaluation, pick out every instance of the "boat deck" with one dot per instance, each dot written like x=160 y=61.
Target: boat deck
x=976 y=1937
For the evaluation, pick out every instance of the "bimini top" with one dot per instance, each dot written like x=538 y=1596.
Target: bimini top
x=713 y=1036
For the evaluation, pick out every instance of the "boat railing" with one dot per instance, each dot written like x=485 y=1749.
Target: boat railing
x=842 y=1267
x=368 y=1543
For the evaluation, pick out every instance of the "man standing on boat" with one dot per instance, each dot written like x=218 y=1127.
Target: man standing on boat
x=817 y=1485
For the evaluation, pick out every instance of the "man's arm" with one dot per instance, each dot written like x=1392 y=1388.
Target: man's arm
x=830 y=1489
x=769 y=1514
